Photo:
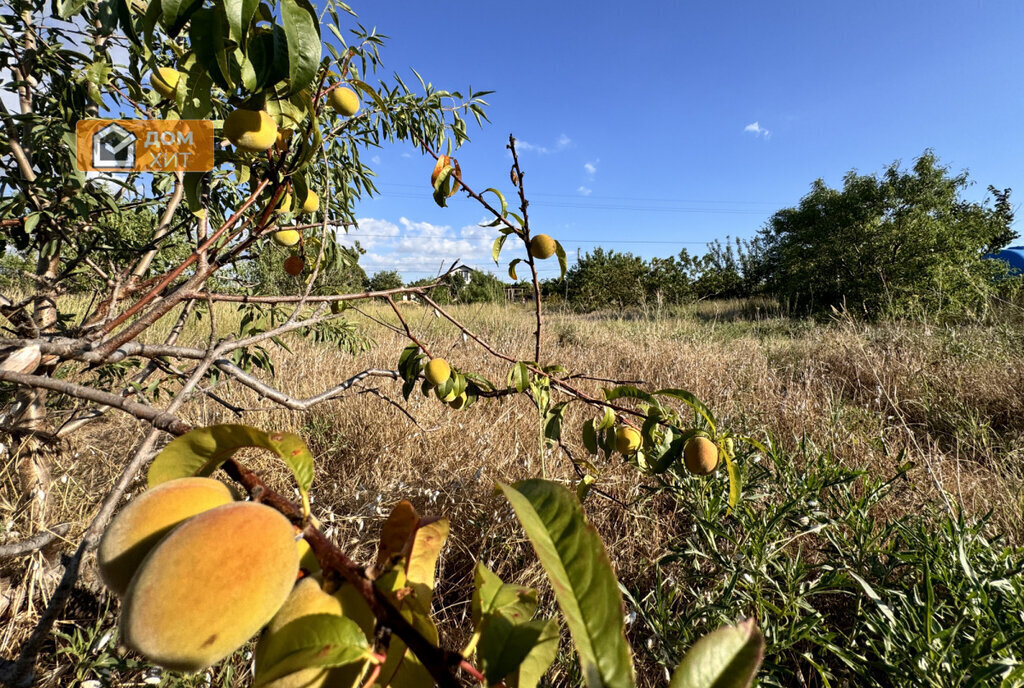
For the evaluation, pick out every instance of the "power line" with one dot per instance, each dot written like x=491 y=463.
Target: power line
x=357 y=235
x=628 y=198
x=592 y=206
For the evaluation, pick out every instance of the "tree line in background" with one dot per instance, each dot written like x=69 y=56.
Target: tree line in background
x=898 y=242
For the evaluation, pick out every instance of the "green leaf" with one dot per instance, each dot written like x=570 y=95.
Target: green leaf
x=519 y=377
x=628 y=392
x=734 y=480
x=501 y=198
x=590 y=436
x=692 y=401
x=491 y=594
x=194 y=192
x=512 y=269
x=174 y=14
x=572 y=554
x=378 y=102
x=239 y=15
x=68 y=8
x=125 y=21
x=726 y=658
x=607 y=420
x=553 y=422
x=535 y=665
x=584 y=485
x=206 y=35
x=563 y=263
x=302 y=31
x=266 y=58
x=31 y=220
x=315 y=640
x=201 y=451
x=504 y=644
x=496 y=249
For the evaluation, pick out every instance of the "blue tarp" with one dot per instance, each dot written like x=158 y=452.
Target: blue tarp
x=1013 y=255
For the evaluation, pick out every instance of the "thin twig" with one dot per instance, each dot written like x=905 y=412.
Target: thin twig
x=34 y=543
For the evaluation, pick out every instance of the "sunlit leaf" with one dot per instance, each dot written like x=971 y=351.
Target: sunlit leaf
x=302 y=30
x=574 y=558
x=202 y=450
x=315 y=640
x=726 y=658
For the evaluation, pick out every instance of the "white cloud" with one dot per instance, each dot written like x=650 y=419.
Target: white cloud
x=422 y=249
x=591 y=167
x=756 y=129
x=585 y=191
x=561 y=144
x=375 y=160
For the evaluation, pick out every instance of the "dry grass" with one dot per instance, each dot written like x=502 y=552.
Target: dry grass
x=949 y=400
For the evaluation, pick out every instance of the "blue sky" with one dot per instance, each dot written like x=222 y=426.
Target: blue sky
x=652 y=126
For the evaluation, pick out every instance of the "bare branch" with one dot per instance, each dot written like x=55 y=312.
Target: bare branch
x=268 y=392
x=525 y=236
x=408 y=332
x=34 y=543
x=165 y=223
x=143 y=323
x=158 y=418
x=295 y=298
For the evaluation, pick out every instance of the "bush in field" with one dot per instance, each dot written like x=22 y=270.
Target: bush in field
x=383 y=280
x=905 y=239
x=481 y=287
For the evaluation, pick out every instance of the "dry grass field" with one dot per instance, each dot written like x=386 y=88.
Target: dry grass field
x=935 y=410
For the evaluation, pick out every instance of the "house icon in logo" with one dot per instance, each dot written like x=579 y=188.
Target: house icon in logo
x=113 y=147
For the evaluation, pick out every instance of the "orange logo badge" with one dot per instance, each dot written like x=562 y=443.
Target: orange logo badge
x=145 y=145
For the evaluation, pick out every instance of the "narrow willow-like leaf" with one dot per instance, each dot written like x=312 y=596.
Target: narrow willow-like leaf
x=496 y=248
x=201 y=451
x=315 y=640
x=692 y=401
x=378 y=102
x=563 y=263
x=574 y=558
x=629 y=392
x=501 y=198
x=726 y=658
x=735 y=488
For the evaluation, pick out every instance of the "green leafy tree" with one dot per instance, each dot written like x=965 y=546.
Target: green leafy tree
x=385 y=279
x=884 y=243
x=606 y=279
x=483 y=287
